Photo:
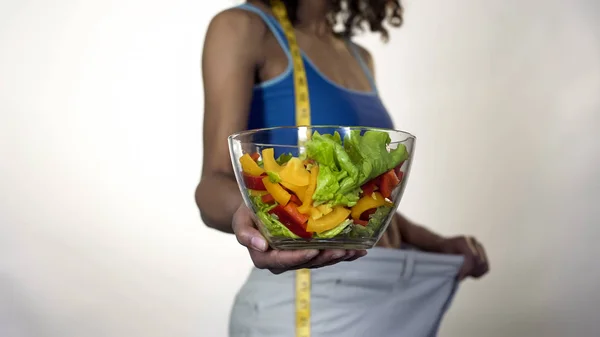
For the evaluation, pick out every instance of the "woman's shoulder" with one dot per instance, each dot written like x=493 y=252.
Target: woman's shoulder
x=238 y=22
x=239 y=32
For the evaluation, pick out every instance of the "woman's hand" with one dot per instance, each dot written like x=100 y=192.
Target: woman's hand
x=476 y=263
x=279 y=261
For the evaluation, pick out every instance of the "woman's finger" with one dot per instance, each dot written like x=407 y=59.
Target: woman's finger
x=471 y=244
x=482 y=266
x=358 y=255
x=330 y=257
x=467 y=267
x=350 y=255
x=481 y=252
x=324 y=258
x=332 y=262
x=282 y=259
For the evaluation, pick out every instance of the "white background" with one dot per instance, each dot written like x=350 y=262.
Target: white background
x=100 y=140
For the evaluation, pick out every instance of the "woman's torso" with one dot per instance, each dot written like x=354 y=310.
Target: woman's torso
x=341 y=88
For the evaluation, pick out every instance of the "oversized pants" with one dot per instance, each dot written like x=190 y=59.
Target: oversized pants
x=389 y=292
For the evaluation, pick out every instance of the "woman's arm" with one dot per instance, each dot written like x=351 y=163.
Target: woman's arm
x=409 y=232
x=418 y=236
x=232 y=51
x=476 y=263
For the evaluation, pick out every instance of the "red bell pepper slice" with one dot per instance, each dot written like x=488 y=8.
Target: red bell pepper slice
x=253 y=183
x=298 y=217
x=365 y=215
x=361 y=222
x=268 y=199
x=371 y=186
x=295 y=200
x=389 y=180
x=255 y=156
x=294 y=197
x=399 y=173
x=368 y=188
x=290 y=222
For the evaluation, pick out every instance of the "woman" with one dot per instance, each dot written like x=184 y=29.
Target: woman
x=396 y=289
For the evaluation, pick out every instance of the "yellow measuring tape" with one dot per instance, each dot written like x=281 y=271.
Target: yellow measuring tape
x=302 y=119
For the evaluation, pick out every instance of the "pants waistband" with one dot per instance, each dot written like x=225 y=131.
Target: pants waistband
x=381 y=265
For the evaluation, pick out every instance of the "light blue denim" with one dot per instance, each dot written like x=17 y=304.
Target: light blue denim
x=389 y=292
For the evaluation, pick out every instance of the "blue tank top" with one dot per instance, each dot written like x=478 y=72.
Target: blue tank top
x=273 y=101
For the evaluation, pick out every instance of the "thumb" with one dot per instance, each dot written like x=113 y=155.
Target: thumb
x=245 y=231
x=466 y=268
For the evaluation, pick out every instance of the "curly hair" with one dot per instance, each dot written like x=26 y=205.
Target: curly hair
x=353 y=14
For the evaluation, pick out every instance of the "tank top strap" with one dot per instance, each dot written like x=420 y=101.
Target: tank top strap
x=354 y=49
x=271 y=23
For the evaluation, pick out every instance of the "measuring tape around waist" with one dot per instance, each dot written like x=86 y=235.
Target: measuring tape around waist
x=303 y=284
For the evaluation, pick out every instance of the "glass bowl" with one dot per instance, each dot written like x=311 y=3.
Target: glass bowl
x=322 y=187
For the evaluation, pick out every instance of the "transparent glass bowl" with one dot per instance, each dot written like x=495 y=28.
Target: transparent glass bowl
x=276 y=191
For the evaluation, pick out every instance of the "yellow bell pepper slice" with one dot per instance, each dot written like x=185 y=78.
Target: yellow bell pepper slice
x=279 y=193
x=315 y=213
x=249 y=166
x=368 y=202
x=300 y=191
x=325 y=209
x=329 y=221
x=308 y=196
x=269 y=162
x=295 y=173
x=320 y=211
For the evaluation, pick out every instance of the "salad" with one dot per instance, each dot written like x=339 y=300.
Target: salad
x=333 y=189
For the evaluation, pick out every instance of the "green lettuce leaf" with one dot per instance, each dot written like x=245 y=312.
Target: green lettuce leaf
x=370 y=153
x=348 y=199
x=327 y=184
x=273 y=226
x=344 y=167
x=283 y=158
x=336 y=183
x=376 y=220
x=260 y=205
x=274 y=177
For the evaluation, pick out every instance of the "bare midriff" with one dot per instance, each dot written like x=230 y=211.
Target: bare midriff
x=391 y=238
